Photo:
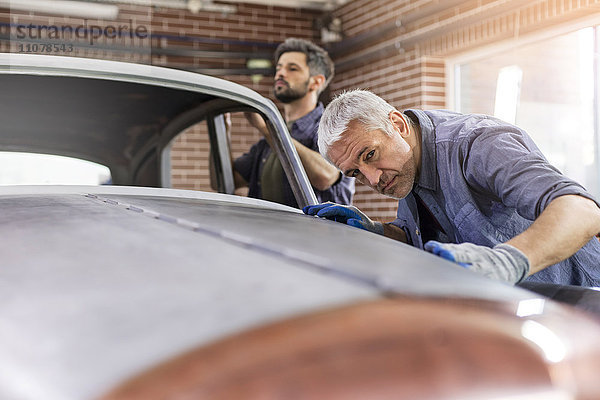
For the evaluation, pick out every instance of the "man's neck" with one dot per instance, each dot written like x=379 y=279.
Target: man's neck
x=299 y=108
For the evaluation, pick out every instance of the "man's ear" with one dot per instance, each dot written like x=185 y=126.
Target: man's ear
x=317 y=82
x=399 y=122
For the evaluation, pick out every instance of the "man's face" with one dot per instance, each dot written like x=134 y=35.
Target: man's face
x=385 y=163
x=292 y=77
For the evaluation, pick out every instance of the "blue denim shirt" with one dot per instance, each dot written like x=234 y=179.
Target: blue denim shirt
x=484 y=181
x=304 y=130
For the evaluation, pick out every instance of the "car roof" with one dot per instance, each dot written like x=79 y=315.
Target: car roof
x=102 y=111
x=98 y=283
x=120 y=114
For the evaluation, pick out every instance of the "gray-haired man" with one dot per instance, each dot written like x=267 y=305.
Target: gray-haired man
x=473 y=189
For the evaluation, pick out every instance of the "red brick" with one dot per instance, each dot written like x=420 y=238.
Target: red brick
x=415 y=78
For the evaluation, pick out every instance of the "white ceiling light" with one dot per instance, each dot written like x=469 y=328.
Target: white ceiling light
x=64 y=7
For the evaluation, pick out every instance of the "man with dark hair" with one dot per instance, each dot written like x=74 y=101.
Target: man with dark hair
x=303 y=71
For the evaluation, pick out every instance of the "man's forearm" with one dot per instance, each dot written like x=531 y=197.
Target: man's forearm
x=566 y=224
x=321 y=174
x=393 y=232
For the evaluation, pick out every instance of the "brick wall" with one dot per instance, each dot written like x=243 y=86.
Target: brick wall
x=397 y=48
x=407 y=42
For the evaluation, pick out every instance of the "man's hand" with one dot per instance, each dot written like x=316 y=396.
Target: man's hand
x=227 y=121
x=345 y=214
x=503 y=262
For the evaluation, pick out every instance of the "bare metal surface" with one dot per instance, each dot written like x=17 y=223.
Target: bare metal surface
x=328 y=246
x=100 y=283
x=92 y=293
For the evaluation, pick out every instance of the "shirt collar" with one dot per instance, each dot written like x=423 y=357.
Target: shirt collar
x=303 y=127
x=428 y=171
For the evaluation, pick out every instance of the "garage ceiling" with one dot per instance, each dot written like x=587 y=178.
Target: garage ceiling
x=311 y=4
x=210 y=4
x=108 y=9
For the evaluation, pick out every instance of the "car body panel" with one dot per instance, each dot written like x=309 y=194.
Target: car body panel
x=123 y=291
x=124 y=115
x=154 y=275
x=128 y=277
x=79 y=273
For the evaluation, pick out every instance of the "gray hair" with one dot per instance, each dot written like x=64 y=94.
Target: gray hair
x=317 y=59
x=360 y=105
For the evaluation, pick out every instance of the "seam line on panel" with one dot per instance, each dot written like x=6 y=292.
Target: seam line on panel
x=315 y=262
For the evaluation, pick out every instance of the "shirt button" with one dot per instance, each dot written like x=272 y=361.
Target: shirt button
x=418 y=232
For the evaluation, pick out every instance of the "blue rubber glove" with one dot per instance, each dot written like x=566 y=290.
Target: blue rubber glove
x=503 y=262
x=349 y=215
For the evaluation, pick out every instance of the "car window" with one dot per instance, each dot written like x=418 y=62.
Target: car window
x=189 y=159
x=126 y=116
x=44 y=169
x=190 y=169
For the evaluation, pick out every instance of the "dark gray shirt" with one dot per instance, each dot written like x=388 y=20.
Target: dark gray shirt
x=484 y=181
x=304 y=130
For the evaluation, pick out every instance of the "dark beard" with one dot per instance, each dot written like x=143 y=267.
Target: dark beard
x=288 y=94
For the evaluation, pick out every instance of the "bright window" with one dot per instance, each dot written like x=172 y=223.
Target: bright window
x=548 y=89
x=42 y=169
